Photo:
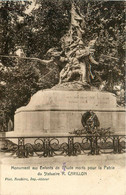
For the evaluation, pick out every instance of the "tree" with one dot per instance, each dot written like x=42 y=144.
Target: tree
x=107 y=21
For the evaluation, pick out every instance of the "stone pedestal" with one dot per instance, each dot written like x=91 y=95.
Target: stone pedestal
x=59 y=112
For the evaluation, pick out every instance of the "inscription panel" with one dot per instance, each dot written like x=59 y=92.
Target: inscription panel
x=70 y=100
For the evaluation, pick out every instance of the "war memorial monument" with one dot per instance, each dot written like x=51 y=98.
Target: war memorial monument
x=70 y=105
x=70 y=138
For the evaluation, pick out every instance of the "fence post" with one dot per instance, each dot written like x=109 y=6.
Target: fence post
x=115 y=145
x=96 y=146
x=118 y=145
x=47 y=148
x=70 y=146
x=2 y=139
x=21 y=153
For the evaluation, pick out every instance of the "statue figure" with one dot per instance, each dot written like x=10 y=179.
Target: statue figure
x=75 y=59
x=79 y=57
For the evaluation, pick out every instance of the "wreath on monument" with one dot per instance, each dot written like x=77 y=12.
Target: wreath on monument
x=91 y=125
x=90 y=122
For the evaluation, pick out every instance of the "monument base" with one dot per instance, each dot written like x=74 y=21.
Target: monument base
x=53 y=112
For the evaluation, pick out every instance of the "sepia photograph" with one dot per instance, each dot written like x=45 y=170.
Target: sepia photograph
x=62 y=97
